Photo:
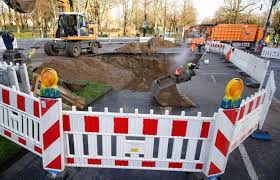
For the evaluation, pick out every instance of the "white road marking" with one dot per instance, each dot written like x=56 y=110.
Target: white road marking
x=246 y=159
x=213 y=78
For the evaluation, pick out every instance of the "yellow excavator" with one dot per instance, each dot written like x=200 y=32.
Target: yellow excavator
x=74 y=33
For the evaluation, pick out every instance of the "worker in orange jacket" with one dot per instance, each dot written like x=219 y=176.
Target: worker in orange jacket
x=200 y=43
x=178 y=73
x=194 y=44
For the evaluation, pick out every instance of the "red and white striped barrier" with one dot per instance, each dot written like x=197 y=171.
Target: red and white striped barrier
x=134 y=137
x=129 y=140
x=20 y=119
x=224 y=129
x=254 y=66
x=53 y=150
x=233 y=126
x=215 y=47
x=22 y=141
x=23 y=102
x=248 y=118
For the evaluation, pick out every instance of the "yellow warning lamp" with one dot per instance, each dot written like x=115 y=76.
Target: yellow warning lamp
x=233 y=93
x=49 y=81
x=49 y=77
x=234 y=88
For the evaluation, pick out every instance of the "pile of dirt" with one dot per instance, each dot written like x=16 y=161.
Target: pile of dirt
x=136 y=48
x=147 y=48
x=88 y=68
x=121 y=71
x=158 y=42
x=144 y=68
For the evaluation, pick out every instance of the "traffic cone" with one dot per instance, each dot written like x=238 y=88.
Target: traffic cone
x=228 y=56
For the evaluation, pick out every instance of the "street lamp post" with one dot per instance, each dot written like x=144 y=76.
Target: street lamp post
x=267 y=24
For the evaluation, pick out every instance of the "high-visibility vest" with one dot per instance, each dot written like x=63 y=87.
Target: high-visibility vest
x=266 y=39
x=194 y=40
x=201 y=41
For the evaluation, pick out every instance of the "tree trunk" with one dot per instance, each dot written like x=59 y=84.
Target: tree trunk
x=17 y=22
x=53 y=19
x=10 y=18
x=164 y=19
x=4 y=18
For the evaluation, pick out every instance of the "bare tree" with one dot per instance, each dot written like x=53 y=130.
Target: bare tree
x=98 y=10
x=156 y=8
x=276 y=24
x=188 y=15
x=127 y=11
x=3 y=14
x=164 y=16
x=137 y=15
x=233 y=10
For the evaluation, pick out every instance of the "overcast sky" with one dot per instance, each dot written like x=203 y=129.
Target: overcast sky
x=206 y=8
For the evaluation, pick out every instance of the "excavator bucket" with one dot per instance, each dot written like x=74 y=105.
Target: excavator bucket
x=22 y=6
x=165 y=91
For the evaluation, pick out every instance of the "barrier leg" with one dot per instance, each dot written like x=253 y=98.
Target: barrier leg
x=219 y=177
x=270 y=90
x=261 y=135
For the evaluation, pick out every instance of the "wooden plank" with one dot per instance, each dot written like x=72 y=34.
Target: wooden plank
x=35 y=83
x=71 y=95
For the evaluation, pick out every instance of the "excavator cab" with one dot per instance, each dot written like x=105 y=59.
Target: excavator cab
x=74 y=34
x=75 y=25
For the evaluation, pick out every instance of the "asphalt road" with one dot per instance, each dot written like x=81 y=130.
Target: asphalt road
x=206 y=89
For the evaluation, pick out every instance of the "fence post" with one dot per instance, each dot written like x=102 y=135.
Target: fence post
x=220 y=146
x=24 y=78
x=52 y=135
x=270 y=89
x=266 y=68
x=13 y=80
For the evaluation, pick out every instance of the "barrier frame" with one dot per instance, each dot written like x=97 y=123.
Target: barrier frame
x=222 y=132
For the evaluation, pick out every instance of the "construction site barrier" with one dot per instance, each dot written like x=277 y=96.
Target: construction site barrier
x=3 y=47
x=20 y=119
x=15 y=76
x=215 y=47
x=273 y=53
x=129 y=140
x=254 y=66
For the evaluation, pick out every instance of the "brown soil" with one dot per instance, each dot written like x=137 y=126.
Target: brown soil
x=147 y=48
x=122 y=72
x=158 y=42
x=136 y=48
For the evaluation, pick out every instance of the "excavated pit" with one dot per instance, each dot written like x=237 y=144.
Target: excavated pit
x=132 y=72
x=135 y=72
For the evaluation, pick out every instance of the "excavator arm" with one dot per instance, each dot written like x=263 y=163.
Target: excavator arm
x=26 y=6
x=21 y=6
